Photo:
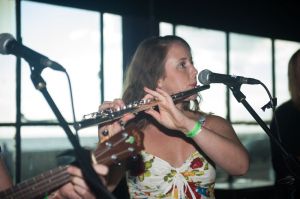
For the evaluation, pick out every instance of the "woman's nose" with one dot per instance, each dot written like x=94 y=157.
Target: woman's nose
x=195 y=71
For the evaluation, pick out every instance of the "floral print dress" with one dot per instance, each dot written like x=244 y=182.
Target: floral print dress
x=194 y=179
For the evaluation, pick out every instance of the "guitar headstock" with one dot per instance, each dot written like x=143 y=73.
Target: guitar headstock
x=127 y=143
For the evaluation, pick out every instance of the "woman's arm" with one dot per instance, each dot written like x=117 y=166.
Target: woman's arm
x=216 y=138
x=219 y=141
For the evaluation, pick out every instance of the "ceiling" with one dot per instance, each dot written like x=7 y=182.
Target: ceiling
x=269 y=18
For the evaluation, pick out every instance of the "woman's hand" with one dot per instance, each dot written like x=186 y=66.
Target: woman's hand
x=168 y=115
x=108 y=130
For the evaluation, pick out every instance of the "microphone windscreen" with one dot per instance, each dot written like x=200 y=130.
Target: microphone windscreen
x=203 y=77
x=5 y=38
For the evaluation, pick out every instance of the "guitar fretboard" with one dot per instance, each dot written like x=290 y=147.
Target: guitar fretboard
x=34 y=187
x=117 y=148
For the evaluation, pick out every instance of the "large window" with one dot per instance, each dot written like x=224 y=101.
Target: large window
x=248 y=56
x=89 y=45
x=113 y=57
x=8 y=66
x=71 y=37
x=8 y=88
x=209 y=52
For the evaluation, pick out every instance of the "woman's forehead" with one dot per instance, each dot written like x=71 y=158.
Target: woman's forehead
x=178 y=48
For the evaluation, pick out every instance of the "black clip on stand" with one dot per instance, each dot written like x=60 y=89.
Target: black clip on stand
x=241 y=98
x=83 y=158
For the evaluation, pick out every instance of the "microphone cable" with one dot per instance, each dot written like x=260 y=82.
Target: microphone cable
x=72 y=104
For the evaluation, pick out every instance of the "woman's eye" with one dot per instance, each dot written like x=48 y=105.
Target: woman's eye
x=182 y=65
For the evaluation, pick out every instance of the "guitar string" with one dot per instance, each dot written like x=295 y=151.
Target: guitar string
x=44 y=187
x=59 y=176
x=43 y=184
x=26 y=187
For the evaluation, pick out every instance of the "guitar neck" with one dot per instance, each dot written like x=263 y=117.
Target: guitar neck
x=39 y=185
x=119 y=147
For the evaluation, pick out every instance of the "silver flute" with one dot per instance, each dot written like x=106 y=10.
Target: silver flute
x=109 y=115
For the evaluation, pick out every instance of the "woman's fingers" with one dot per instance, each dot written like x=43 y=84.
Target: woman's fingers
x=79 y=181
x=118 y=104
x=67 y=191
x=75 y=171
x=115 y=105
x=158 y=94
x=99 y=168
x=168 y=115
x=78 y=187
x=162 y=92
x=152 y=94
x=153 y=113
x=83 y=192
x=105 y=105
x=108 y=130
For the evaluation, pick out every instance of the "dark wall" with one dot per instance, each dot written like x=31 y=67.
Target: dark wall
x=136 y=29
x=275 y=19
x=269 y=18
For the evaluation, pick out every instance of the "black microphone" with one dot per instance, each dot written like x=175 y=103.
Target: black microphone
x=207 y=77
x=8 y=45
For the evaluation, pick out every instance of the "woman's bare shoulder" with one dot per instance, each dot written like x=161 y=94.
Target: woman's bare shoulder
x=209 y=117
x=217 y=122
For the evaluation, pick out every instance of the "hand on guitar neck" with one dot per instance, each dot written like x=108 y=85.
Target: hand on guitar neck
x=77 y=187
x=117 y=148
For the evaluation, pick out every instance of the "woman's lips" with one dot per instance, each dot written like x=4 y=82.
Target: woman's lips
x=193 y=85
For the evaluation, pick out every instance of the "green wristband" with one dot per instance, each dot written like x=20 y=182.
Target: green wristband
x=195 y=131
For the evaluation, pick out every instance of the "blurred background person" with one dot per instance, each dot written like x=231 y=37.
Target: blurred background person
x=288 y=131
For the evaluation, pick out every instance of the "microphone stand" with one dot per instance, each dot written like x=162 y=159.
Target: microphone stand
x=82 y=156
x=241 y=98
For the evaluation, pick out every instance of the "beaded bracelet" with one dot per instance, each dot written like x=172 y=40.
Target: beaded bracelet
x=195 y=131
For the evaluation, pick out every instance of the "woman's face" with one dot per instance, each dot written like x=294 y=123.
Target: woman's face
x=180 y=73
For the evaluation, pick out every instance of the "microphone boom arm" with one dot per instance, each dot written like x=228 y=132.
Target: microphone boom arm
x=83 y=159
x=241 y=98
